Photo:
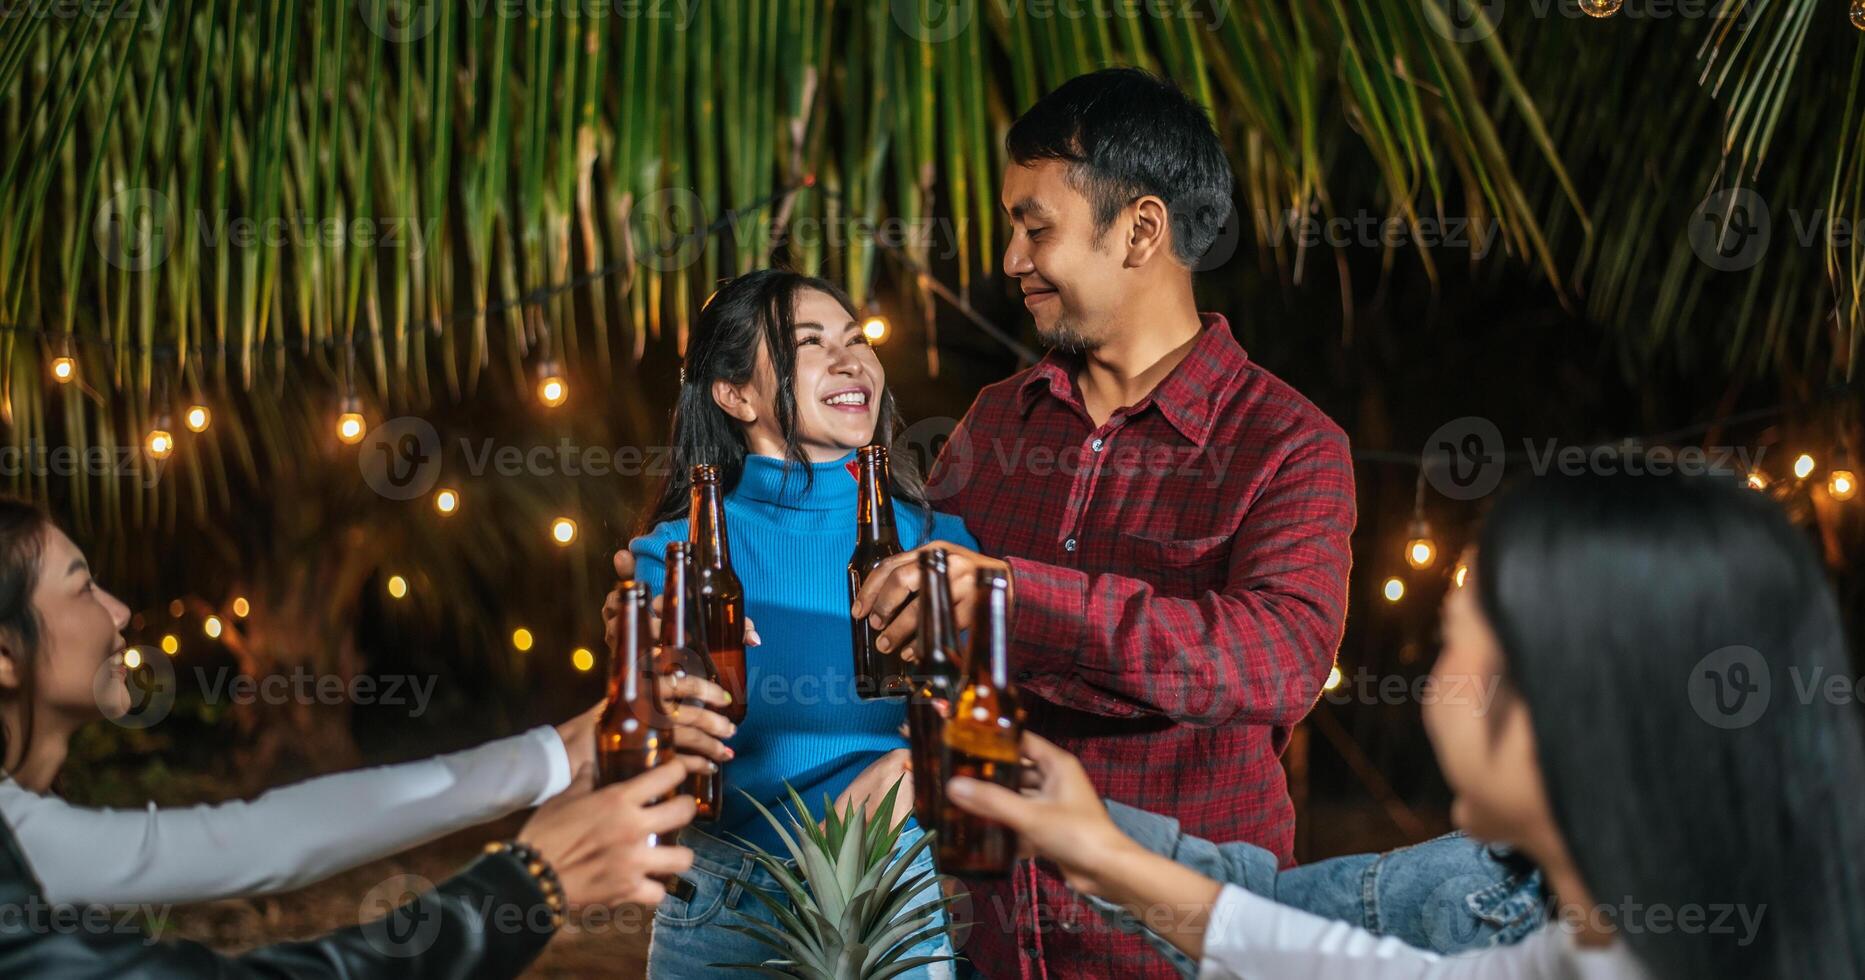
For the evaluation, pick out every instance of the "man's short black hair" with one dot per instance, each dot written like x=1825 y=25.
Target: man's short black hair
x=1127 y=133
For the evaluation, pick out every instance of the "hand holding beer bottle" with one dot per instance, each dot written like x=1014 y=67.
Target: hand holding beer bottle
x=982 y=736
x=682 y=654
x=716 y=590
x=936 y=681
x=878 y=674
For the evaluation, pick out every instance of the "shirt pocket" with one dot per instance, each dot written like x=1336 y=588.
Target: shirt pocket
x=1175 y=555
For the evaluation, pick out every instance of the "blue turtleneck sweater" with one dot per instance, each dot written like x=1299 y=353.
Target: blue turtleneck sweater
x=790 y=537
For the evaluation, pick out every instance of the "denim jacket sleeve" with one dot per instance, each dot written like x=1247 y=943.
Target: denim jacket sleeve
x=1446 y=895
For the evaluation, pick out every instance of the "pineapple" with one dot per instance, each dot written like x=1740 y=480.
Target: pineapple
x=845 y=917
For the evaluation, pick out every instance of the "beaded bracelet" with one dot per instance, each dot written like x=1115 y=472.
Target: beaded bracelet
x=541 y=871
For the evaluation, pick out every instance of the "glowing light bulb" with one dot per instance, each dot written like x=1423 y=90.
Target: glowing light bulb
x=212 y=627
x=350 y=428
x=132 y=658
x=563 y=530
x=171 y=645
x=198 y=418
x=1842 y=484
x=1420 y=550
x=64 y=369
x=521 y=639
x=161 y=444
x=1333 y=678
x=552 y=389
x=1803 y=466
x=398 y=586
x=875 y=329
x=1601 y=8
x=1756 y=481
x=1858 y=14
x=447 y=502
x=241 y=607
x=1393 y=590
x=1461 y=573
x=583 y=659
x=175 y=608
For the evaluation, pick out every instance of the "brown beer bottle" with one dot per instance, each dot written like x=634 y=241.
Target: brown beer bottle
x=983 y=735
x=877 y=674
x=633 y=735
x=682 y=652
x=936 y=682
x=720 y=596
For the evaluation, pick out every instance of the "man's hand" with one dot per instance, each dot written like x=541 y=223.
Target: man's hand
x=579 y=737
x=597 y=841
x=612 y=606
x=886 y=597
x=872 y=785
x=1058 y=816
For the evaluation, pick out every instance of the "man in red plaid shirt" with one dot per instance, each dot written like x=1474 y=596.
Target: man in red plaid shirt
x=1174 y=518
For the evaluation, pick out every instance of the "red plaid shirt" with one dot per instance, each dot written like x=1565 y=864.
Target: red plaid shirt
x=1181 y=588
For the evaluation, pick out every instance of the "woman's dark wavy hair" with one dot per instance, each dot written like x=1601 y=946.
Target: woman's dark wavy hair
x=22 y=541
x=753 y=310
x=1607 y=593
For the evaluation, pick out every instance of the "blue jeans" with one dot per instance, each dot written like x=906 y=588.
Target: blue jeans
x=1446 y=895
x=688 y=937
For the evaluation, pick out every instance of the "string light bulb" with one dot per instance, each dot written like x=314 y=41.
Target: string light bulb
x=132 y=658
x=64 y=369
x=197 y=418
x=242 y=608
x=171 y=645
x=875 y=328
x=521 y=639
x=1393 y=589
x=1460 y=574
x=161 y=442
x=1803 y=466
x=1601 y=8
x=351 y=425
x=563 y=531
x=398 y=587
x=1334 y=678
x=1756 y=480
x=212 y=627
x=1841 y=482
x=552 y=389
x=582 y=659
x=1420 y=550
x=447 y=502
x=1858 y=14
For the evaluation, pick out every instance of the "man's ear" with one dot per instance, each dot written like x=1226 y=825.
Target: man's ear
x=731 y=399
x=1151 y=231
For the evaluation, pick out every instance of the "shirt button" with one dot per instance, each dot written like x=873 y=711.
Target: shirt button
x=1098 y=443
x=1069 y=546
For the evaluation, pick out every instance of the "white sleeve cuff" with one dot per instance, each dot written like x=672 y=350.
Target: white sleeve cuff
x=557 y=762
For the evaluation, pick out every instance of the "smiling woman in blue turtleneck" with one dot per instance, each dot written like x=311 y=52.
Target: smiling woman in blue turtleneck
x=780 y=388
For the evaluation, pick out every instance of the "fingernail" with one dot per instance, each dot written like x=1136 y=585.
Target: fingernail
x=883 y=645
x=731 y=753
x=731 y=730
x=854 y=610
x=875 y=621
x=713 y=766
x=728 y=697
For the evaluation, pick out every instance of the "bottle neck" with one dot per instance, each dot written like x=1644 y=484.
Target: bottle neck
x=937 y=624
x=989 y=659
x=707 y=527
x=874 y=511
x=625 y=663
x=674 y=613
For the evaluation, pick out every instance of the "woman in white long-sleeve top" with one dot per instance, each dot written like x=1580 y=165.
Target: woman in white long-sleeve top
x=61 y=666
x=1621 y=696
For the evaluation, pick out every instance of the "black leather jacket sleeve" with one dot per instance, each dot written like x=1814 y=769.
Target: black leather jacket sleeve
x=489 y=920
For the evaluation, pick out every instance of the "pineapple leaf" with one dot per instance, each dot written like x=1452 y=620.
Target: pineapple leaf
x=892 y=949
x=801 y=935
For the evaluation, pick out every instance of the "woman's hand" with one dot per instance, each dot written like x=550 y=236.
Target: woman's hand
x=872 y=785
x=597 y=840
x=697 y=730
x=612 y=606
x=1058 y=816
x=579 y=738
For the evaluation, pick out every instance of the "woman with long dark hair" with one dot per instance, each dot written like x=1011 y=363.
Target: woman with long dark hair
x=62 y=666
x=780 y=388
x=1622 y=696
